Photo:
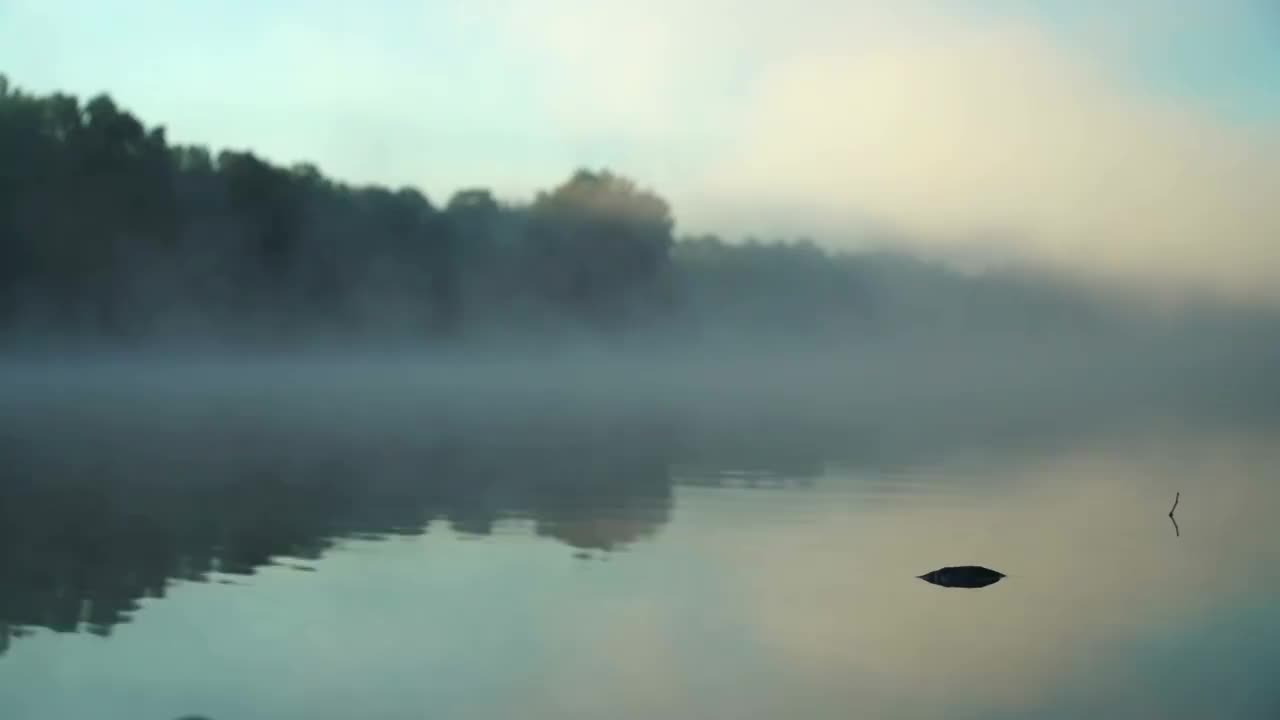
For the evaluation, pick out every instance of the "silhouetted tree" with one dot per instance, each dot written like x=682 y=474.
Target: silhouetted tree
x=106 y=228
x=597 y=243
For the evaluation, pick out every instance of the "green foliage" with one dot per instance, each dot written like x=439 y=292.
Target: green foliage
x=107 y=228
x=596 y=242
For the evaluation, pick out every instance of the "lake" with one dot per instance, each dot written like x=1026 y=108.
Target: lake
x=247 y=558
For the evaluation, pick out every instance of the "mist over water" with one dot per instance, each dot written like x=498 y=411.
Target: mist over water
x=232 y=531
x=276 y=446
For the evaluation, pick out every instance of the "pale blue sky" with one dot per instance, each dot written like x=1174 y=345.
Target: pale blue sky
x=514 y=94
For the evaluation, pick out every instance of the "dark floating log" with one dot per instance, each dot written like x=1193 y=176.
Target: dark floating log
x=965 y=576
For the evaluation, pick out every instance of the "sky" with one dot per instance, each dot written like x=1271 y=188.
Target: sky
x=1136 y=138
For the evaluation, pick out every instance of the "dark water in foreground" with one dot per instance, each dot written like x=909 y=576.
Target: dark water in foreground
x=238 y=566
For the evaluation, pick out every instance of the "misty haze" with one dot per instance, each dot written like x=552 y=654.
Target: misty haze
x=588 y=360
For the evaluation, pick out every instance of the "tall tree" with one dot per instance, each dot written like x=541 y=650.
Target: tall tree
x=598 y=244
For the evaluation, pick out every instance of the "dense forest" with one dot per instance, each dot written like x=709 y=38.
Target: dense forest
x=109 y=231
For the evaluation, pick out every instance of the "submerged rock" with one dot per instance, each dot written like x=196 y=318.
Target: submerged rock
x=964 y=576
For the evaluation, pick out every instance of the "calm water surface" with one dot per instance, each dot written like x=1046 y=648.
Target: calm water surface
x=241 y=566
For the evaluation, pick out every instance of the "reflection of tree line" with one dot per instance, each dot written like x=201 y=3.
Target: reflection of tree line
x=82 y=543
x=92 y=522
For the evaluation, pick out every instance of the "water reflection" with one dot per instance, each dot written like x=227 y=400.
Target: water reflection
x=100 y=512
x=766 y=571
x=89 y=529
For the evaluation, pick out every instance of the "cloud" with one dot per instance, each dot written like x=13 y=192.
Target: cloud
x=965 y=137
x=967 y=131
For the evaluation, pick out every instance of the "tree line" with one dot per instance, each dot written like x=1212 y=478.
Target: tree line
x=107 y=229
